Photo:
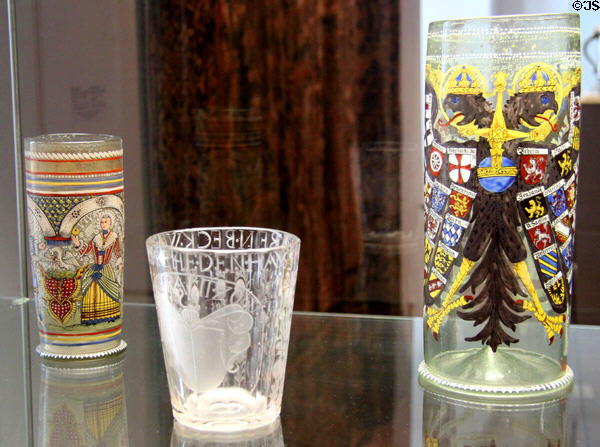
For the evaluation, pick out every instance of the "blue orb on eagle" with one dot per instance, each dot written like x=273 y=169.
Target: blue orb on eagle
x=497 y=183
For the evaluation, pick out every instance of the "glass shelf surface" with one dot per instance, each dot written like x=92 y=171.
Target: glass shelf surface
x=350 y=381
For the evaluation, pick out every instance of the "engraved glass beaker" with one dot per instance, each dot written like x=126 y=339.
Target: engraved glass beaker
x=224 y=299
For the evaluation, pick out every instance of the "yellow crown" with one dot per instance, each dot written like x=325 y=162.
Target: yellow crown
x=463 y=80
x=538 y=79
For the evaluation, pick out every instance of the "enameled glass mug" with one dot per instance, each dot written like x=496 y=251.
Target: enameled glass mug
x=502 y=114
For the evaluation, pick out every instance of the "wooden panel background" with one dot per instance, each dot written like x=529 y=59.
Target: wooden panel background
x=282 y=114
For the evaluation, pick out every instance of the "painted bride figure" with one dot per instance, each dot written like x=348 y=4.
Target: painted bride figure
x=99 y=286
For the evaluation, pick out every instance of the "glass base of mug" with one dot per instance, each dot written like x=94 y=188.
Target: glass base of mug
x=80 y=353
x=226 y=410
x=507 y=375
x=267 y=435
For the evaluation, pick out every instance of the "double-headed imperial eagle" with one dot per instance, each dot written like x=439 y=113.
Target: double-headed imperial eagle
x=500 y=192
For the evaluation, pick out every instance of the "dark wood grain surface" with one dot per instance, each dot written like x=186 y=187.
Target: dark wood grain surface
x=263 y=113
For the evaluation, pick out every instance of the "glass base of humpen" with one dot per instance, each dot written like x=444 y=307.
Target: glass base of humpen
x=508 y=375
x=76 y=353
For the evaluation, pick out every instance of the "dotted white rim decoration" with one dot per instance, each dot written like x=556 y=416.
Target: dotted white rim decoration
x=495 y=391
x=84 y=356
x=505 y=32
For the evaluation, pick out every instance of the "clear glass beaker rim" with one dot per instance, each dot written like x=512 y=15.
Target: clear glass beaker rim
x=159 y=240
x=566 y=17
x=58 y=142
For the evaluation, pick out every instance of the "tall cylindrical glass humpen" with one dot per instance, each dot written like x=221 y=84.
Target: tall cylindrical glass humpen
x=502 y=113
x=75 y=213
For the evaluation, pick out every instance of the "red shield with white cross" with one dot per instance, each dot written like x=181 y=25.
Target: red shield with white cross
x=459 y=167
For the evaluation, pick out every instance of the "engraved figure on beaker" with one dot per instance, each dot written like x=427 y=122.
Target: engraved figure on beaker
x=214 y=345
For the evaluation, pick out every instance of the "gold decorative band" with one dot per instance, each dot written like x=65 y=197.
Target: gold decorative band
x=505 y=171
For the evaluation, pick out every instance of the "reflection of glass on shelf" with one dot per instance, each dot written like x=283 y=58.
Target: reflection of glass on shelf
x=228 y=127
x=269 y=436
x=83 y=404
x=380 y=187
x=232 y=172
x=449 y=421
x=379 y=270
